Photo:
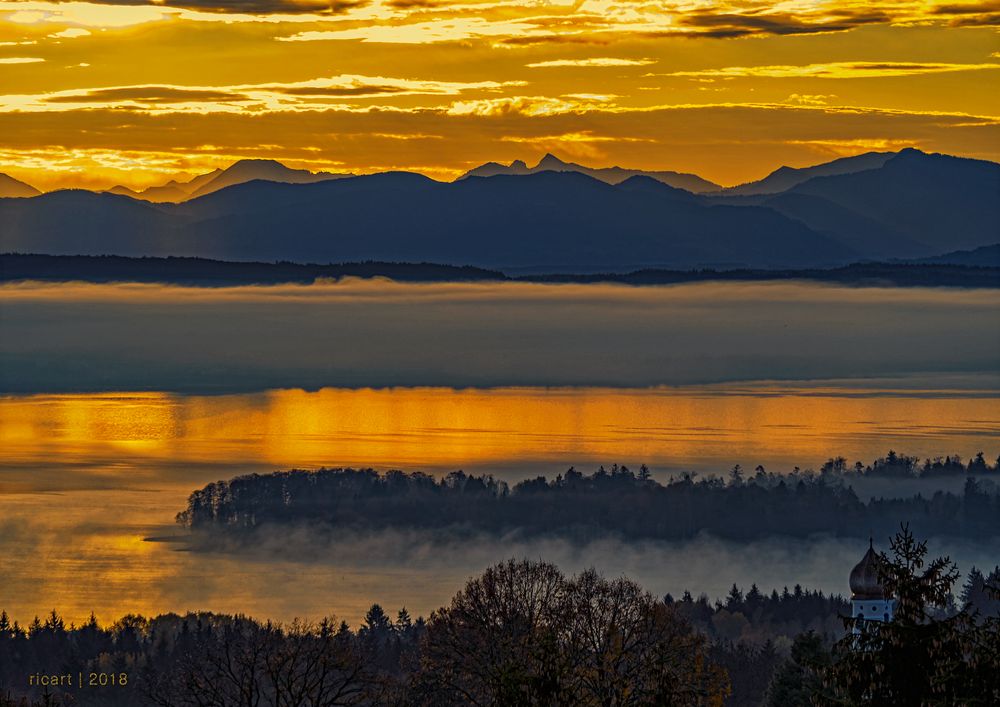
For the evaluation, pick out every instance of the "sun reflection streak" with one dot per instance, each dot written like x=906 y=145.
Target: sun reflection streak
x=443 y=429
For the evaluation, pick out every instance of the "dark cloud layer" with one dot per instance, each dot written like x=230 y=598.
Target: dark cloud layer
x=740 y=25
x=253 y=7
x=341 y=91
x=973 y=14
x=264 y=7
x=148 y=94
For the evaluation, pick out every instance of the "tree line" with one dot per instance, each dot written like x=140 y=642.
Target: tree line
x=901 y=466
x=208 y=273
x=615 y=500
x=523 y=633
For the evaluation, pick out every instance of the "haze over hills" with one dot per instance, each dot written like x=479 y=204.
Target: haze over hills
x=612 y=175
x=913 y=205
x=785 y=178
x=987 y=256
x=944 y=203
x=172 y=191
x=270 y=170
x=16 y=189
x=237 y=173
x=549 y=221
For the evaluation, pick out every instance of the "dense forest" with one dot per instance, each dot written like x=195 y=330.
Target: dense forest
x=205 y=272
x=615 y=500
x=522 y=633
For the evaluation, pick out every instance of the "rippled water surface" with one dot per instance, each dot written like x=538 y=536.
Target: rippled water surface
x=85 y=479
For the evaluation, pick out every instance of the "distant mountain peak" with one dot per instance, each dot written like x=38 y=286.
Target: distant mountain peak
x=550 y=161
x=256 y=162
x=10 y=187
x=248 y=170
x=609 y=175
x=245 y=170
x=261 y=165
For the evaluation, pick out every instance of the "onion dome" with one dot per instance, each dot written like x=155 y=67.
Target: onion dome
x=864 y=577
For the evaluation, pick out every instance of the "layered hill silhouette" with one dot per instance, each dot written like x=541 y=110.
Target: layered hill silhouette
x=172 y=191
x=986 y=257
x=944 y=203
x=546 y=222
x=785 y=178
x=13 y=188
x=911 y=205
x=612 y=175
x=238 y=173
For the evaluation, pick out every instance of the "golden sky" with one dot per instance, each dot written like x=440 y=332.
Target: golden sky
x=96 y=94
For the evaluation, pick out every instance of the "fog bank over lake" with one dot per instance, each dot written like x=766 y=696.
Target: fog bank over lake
x=374 y=333
x=109 y=568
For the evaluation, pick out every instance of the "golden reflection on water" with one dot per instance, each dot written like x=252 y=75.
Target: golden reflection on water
x=84 y=479
x=480 y=429
x=88 y=551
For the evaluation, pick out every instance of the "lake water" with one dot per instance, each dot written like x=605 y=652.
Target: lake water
x=61 y=441
x=513 y=379
x=86 y=478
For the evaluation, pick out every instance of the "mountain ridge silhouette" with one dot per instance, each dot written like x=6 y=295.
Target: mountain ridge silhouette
x=548 y=221
x=11 y=188
x=239 y=172
x=611 y=175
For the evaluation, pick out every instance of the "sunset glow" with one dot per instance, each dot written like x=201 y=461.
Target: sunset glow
x=493 y=352
x=98 y=94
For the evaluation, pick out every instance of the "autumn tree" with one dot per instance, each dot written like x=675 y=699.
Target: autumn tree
x=245 y=664
x=498 y=641
x=523 y=634
x=628 y=648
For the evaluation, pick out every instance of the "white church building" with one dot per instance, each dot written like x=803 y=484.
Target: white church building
x=869 y=600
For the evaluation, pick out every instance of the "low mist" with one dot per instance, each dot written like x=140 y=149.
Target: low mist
x=307 y=573
x=80 y=337
x=422 y=572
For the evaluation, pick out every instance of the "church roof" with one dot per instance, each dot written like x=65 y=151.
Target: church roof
x=865 y=583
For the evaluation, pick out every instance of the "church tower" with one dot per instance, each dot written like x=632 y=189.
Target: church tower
x=868 y=598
